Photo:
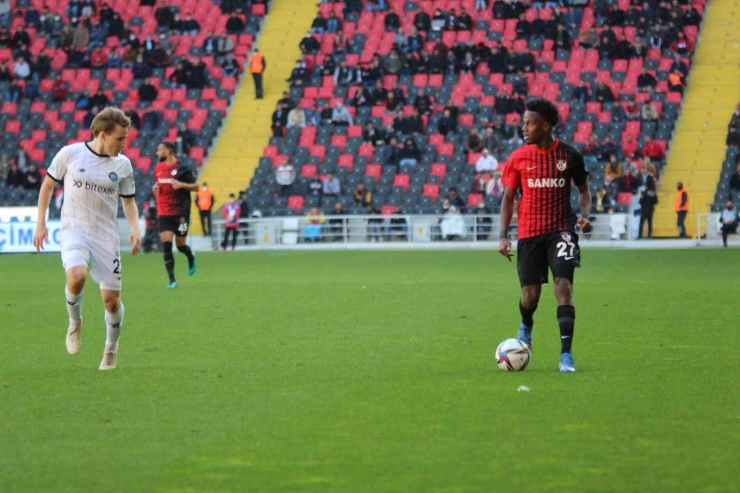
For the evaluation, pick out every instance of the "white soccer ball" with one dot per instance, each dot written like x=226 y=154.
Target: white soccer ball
x=512 y=355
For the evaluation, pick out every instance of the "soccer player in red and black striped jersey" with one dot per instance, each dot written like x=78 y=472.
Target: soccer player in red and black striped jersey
x=543 y=170
x=172 y=190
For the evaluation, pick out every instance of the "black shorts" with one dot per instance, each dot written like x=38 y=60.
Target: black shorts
x=557 y=250
x=177 y=224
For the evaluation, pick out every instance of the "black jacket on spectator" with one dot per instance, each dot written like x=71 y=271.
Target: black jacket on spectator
x=392 y=21
x=147 y=92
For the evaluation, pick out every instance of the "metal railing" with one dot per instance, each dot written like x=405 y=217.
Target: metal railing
x=395 y=229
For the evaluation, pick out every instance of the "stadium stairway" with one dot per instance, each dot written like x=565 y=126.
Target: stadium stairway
x=247 y=128
x=698 y=148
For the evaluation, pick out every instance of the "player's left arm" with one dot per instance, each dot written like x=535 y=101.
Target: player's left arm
x=131 y=211
x=580 y=178
x=190 y=184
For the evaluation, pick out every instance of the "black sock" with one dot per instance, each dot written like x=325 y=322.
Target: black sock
x=188 y=253
x=567 y=323
x=527 y=314
x=169 y=260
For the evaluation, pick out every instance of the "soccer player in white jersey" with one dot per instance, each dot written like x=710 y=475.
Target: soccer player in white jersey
x=94 y=174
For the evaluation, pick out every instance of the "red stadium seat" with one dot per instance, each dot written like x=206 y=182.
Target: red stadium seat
x=308 y=171
x=474 y=199
x=401 y=180
x=374 y=170
x=295 y=202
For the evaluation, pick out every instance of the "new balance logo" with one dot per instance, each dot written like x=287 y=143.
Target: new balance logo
x=116 y=326
x=71 y=303
x=82 y=170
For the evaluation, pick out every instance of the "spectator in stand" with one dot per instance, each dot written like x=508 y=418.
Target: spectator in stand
x=279 y=121
x=589 y=39
x=4 y=12
x=649 y=112
x=114 y=60
x=184 y=141
x=682 y=46
x=341 y=116
x=602 y=201
x=340 y=43
x=362 y=197
x=189 y=27
x=373 y=135
x=210 y=45
x=309 y=45
x=315 y=187
x=652 y=149
x=15 y=178
x=329 y=65
x=346 y=76
x=235 y=24
x=735 y=180
x=318 y=26
x=232 y=213
x=59 y=90
x=20 y=37
x=648 y=200
x=447 y=124
x=486 y=162
x=468 y=64
x=141 y=69
x=729 y=221
x=422 y=21
x=32 y=178
x=230 y=66
x=336 y=224
x=628 y=183
x=613 y=172
x=98 y=58
x=415 y=121
x=562 y=38
x=298 y=76
x=6 y=39
x=393 y=63
x=630 y=147
x=147 y=91
x=165 y=16
x=733 y=138
x=581 y=93
x=150 y=120
x=21 y=70
x=98 y=33
x=314 y=220
x=224 y=45
x=296 y=118
x=632 y=111
x=410 y=156
x=285 y=176
x=331 y=187
x=678 y=64
x=464 y=22
x=646 y=82
x=84 y=101
x=523 y=28
x=100 y=100
x=491 y=141
x=438 y=21
x=607 y=46
x=495 y=187
x=676 y=81
x=392 y=22
x=333 y=23
x=474 y=143
x=361 y=98
x=454 y=199
x=604 y=93
x=423 y=102
x=735 y=119
x=81 y=37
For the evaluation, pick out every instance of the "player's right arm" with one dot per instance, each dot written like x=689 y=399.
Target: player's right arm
x=54 y=174
x=511 y=181
x=507 y=211
x=42 y=234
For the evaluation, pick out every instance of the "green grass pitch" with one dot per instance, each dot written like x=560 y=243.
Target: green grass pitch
x=373 y=372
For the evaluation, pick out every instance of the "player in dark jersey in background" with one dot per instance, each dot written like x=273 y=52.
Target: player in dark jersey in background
x=172 y=189
x=543 y=169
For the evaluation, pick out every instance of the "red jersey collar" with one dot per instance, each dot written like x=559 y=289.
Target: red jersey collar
x=546 y=151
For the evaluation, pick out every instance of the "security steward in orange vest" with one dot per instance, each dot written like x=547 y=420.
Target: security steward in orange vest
x=257 y=65
x=682 y=209
x=204 y=199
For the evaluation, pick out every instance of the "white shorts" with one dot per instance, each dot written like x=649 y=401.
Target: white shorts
x=101 y=257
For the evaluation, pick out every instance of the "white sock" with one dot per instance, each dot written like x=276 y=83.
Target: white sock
x=74 y=306
x=113 y=322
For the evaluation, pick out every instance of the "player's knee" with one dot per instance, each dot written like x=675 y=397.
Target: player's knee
x=76 y=280
x=530 y=296
x=167 y=247
x=111 y=304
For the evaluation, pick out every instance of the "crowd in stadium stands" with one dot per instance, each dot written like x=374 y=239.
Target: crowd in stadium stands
x=733 y=144
x=421 y=85
x=136 y=56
